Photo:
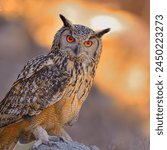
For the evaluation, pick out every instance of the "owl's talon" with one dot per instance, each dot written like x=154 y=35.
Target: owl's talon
x=54 y=138
x=41 y=136
x=37 y=143
x=63 y=139
x=57 y=139
x=65 y=136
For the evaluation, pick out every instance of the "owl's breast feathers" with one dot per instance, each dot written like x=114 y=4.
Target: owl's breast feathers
x=43 y=82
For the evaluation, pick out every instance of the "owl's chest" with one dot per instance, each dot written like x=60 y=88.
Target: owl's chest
x=76 y=93
x=79 y=86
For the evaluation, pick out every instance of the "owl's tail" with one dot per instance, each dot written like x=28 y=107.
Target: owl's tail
x=9 y=137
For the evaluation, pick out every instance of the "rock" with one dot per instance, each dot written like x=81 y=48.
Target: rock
x=64 y=145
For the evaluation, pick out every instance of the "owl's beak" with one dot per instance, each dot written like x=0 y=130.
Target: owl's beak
x=77 y=50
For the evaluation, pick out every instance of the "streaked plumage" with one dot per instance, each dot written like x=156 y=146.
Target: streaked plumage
x=57 y=83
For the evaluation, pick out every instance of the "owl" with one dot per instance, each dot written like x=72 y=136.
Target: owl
x=50 y=90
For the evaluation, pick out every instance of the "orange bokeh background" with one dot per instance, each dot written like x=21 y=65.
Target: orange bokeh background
x=123 y=72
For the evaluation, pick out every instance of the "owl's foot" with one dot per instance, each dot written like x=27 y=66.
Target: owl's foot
x=54 y=138
x=43 y=138
x=65 y=136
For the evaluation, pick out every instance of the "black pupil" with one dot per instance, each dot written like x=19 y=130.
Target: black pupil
x=88 y=43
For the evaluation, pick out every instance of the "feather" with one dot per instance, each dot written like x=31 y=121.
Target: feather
x=41 y=83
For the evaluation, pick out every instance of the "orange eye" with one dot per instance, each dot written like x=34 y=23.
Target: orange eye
x=88 y=43
x=70 y=38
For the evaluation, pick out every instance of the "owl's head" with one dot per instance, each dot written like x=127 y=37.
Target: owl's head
x=78 y=42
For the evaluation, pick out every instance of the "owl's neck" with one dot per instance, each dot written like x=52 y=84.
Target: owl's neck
x=66 y=64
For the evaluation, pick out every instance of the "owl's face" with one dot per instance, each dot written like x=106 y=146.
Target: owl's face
x=78 y=42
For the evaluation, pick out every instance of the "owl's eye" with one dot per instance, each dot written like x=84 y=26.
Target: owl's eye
x=70 y=38
x=88 y=43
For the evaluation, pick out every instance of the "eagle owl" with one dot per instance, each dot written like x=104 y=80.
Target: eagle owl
x=51 y=89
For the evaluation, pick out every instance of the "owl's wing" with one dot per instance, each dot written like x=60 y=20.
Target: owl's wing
x=39 y=85
x=33 y=66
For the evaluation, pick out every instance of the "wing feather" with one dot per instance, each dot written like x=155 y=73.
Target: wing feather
x=39 y=85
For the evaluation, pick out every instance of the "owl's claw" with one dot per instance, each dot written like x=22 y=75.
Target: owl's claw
x=54 y=138
x=57 y=139
x=42 y=137
x=65 y=136
x=36 y=144
x=39 y=142
x=63 y=139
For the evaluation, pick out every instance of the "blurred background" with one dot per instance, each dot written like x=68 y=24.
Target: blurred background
x=116 y=113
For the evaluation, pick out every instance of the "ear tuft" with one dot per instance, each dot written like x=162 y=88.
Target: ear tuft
x=66 y=22
x=102 y=32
